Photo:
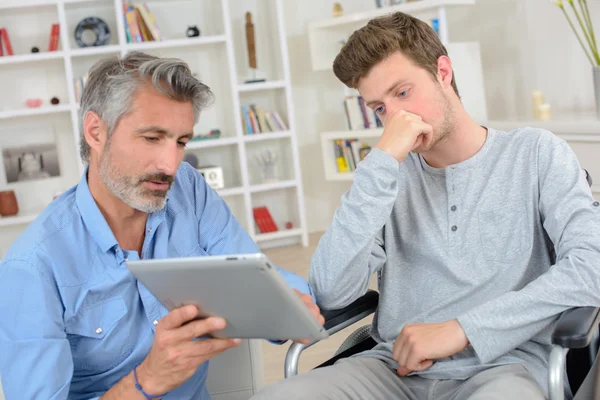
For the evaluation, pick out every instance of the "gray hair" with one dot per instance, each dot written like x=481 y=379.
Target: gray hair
x=113 y=82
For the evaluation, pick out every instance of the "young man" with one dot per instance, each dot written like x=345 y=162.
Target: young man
x=75 y=322
x=482 y=238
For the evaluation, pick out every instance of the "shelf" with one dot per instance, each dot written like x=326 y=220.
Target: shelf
x=265 y=187
x=252 y=87
x=32 y=57
x=408 y=8
x=27 y=112
x=95 y=50
x=585 y=124
x=17 y=219
x=18 y=4
x=257 y=137
x=236 y=191
x=108 y=2
x=262 y=237
x=169 y=44
x=207 y=143
x=364 y=133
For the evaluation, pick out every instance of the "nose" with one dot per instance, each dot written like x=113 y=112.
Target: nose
x=169 y=159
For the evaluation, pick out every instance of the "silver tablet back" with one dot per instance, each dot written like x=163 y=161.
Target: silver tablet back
x=244 y=289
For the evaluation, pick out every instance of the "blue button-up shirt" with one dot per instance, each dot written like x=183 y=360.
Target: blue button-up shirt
x=74 y=320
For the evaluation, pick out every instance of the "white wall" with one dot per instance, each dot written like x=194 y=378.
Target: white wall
x=525 y=45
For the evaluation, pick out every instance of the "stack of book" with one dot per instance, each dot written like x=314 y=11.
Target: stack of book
x=358 y=115
x=348 y=153
x=140 y=24
x=257 y=120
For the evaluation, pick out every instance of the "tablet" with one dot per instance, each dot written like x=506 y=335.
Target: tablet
x=246 y=290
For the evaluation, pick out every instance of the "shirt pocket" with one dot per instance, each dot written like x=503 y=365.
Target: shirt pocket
x=98 y=336
x=505 y=230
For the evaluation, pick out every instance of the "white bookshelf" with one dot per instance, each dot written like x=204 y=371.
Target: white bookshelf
x=218 y=57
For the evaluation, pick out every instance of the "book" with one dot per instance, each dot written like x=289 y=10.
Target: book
x=363 y=110
x=126 y=24
x=259 y=126
x=353 y=113
x=340 y=157
x=264 y=220
x=1 y=51
x=260 y=113
x=146 y=35
x=150 y=21
x=247 y=120
x=270 y=122
x=54 y=37
x=134 y=28
x=280 y=122
x=253 y=121
x=6 y=42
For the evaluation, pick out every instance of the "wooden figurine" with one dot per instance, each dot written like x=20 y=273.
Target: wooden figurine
x=338 y=11
x=250 y=41
x=251 y=44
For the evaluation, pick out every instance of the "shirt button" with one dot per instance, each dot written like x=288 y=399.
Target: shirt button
x=596 y=204
x=99 y=331
x=453 y=208
x=149 y=230
x=454 y=228
x=155 y=322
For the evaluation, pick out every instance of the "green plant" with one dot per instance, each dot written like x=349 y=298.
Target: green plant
x=590 y=47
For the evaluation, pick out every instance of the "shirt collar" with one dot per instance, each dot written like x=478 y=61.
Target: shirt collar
x=92 y=217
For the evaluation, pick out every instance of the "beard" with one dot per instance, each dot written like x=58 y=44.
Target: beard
x=443 y=130
x=130 y=188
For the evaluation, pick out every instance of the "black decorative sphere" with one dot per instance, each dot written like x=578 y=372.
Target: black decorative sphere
x=35 y=50
x=54 y=101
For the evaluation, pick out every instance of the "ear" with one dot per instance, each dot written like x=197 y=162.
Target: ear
x=94 y=131
x=445 y=73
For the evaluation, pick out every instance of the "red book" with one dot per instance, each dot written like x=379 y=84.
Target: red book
x=53 y=46
x=6 y=42
x=1 y=51
x=264 y=220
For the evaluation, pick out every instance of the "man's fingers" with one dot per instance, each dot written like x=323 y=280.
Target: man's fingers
x=403 y=371
x=312 y=307
x=201 y=327
x=209 y=348
x=178 y=317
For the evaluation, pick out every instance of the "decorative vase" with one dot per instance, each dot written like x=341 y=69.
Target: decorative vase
x=8 y=203
x=597 y=89
x=192 y=31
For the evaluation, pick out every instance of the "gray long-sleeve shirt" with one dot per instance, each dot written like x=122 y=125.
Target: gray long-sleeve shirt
x=473 y=242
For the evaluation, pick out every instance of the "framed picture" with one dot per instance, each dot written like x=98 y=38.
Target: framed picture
x=31 y=162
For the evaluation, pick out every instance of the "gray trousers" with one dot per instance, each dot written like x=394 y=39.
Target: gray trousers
x=368 y=378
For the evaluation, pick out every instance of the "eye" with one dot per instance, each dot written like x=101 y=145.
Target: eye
x=403 y=93
x=182 y=144
x=380 y=109
x=151 y=139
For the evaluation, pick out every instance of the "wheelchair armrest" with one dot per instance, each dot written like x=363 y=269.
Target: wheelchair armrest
x=576 y=327
x=336 y=320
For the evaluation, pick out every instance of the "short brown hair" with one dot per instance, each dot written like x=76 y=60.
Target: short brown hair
x=383 y=36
